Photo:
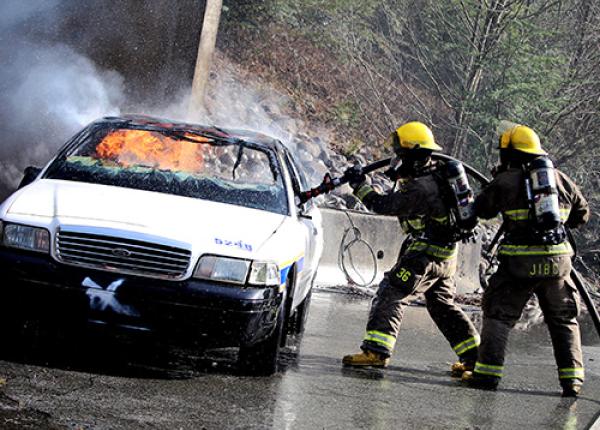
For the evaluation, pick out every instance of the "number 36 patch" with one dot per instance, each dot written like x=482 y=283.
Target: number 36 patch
x=403 y=274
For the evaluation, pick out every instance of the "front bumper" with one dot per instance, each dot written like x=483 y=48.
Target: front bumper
x=34 y=286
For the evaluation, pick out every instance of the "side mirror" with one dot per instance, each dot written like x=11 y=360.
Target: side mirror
x=303 y=212
x=30 y=173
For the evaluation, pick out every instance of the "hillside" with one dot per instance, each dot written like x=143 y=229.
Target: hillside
x=331 y=78
x=361 y=68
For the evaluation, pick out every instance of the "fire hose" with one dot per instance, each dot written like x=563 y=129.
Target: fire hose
x=329 y=183
x=580 y=284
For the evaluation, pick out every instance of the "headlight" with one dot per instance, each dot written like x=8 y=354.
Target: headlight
x=25 y=237
x=235 y=271
x=264 y=274
x=222 y=269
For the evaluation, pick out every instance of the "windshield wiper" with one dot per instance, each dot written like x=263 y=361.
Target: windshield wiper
x=184 y=135
x=239 y=157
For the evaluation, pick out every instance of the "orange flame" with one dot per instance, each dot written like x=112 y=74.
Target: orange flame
x=153 y=149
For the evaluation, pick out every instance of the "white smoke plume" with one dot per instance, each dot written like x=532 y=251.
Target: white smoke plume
x=59 y=85
x=236 y=100
x=49 y=91
x=16 y=12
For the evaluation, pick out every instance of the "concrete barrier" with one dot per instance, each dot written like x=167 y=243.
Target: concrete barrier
x=381 y=233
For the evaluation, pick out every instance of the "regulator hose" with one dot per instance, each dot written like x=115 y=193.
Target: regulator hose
x=483 y=180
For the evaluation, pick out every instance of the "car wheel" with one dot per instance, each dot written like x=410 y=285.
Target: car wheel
x=297 y=322
x=12 y=330
x=261 y=358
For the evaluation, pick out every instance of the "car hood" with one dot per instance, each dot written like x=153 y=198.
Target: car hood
x=230 y=228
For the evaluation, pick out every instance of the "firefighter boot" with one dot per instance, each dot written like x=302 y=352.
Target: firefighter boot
x=466 y=363
x=481 y=382
x=572 y=388
x=460 y=367
x=366 y=358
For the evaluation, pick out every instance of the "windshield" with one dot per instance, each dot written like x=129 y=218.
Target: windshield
x=173 y=162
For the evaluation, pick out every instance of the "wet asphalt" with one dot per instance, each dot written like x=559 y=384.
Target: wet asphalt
x=114 y=386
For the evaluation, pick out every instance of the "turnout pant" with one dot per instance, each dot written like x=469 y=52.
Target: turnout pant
x=420 y=273
x=503 y=302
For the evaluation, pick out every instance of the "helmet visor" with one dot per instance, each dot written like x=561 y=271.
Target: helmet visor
x=392 y=142
x=503 y=130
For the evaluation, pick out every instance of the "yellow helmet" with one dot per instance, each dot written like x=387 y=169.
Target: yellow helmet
x=412 y=135
x=520 y=138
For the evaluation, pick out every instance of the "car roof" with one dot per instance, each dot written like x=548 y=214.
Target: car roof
x=167 y=124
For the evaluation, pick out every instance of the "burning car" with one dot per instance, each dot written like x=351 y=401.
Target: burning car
x=190 y=232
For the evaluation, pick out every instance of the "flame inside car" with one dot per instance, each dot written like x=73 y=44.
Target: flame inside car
x=129 y=147
x=175 y=161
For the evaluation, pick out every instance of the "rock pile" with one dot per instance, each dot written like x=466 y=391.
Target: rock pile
x=318 y=159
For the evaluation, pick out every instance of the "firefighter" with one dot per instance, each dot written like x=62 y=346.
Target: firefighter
x=534 y=257
x=427 y=260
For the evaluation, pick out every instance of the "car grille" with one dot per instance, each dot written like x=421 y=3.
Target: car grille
x=122 y=255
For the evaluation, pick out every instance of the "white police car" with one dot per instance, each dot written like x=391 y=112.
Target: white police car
x=190 y=232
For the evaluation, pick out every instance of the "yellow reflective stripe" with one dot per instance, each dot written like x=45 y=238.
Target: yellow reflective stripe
x=443 y=252
x=290 y=262
x=363 y=190
x=517 y=211
x=488 y=369
x=416 y=223
x=417 y=246
x=434 y=250
x=441 y=220
x=488 y=373
x=523 y=214
x=381 y=338
x=513 y=250
x=467 y=345
x=405 y=226
x=517 y=214
x=571 y=373
x=419 y=223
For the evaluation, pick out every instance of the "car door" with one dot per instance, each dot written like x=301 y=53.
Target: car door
x=309 y=217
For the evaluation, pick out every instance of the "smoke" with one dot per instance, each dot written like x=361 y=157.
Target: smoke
x=237 y=100
x=49 y=90
x=16 y=12
x=58 y=90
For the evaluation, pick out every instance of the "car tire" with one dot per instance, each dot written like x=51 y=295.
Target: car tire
x=261 y=358
x=297 y=322
x=12 y=332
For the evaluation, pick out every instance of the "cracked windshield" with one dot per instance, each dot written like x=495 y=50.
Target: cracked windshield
x=179 y=163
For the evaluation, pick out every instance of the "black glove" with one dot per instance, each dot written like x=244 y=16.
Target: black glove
x=355 y=176
x=498 y=169
x=406 y=169
x=392 y=174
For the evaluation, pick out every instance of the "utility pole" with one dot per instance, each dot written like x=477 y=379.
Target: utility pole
x=206 y=48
